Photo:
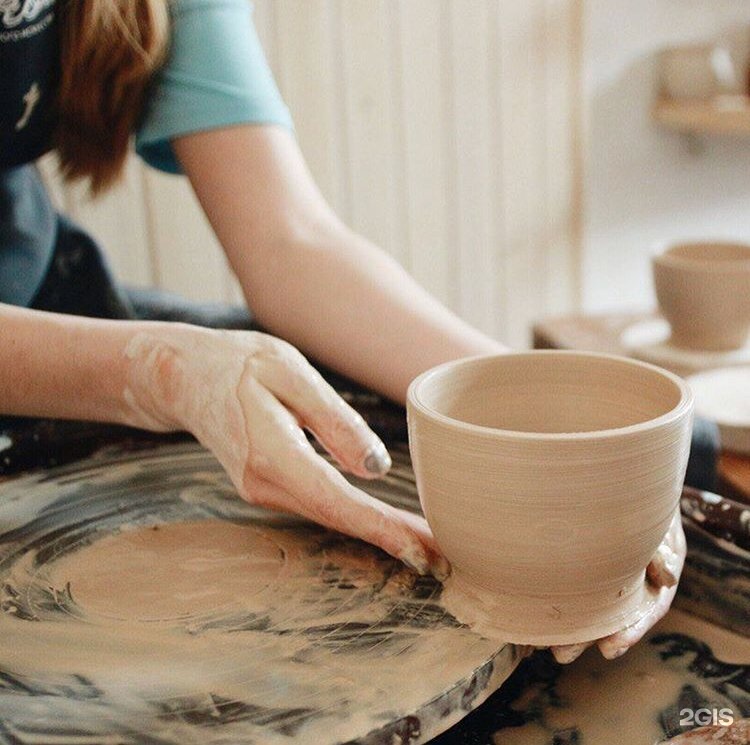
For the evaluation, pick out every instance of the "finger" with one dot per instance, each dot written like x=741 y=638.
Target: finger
x=338 y=427
x=617 y=644
x=663 y=572
x=567 y=653
x=440 y=566
x=271 y=495
x=309 y=486
x=665 y=568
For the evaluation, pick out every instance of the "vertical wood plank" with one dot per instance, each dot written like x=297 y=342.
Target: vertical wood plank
x=395 y=92
x=307 y=79
x=496 y=199
x=369 y=116
x=562 y=169
x=470 y=84
x=117 y=221
x=190 y=260
x=524 y=161
x=421 y=40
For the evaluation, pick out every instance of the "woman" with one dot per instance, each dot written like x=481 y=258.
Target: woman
x=190 y=79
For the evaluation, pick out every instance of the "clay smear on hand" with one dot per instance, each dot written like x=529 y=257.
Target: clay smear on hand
x=248 y=398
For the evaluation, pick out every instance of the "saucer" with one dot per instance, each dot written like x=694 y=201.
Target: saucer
x=724 y=397
x=648 y=340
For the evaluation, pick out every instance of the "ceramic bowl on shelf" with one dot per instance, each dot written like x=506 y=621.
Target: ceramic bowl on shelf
x=699 y=72
x=703 y=290
x=549 y=478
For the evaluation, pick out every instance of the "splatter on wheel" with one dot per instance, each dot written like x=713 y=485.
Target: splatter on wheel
x=318 y=638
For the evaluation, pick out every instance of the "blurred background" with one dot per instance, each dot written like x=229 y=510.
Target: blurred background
x=508 y=152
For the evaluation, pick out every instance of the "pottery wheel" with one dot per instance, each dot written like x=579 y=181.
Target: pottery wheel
x=323 y=638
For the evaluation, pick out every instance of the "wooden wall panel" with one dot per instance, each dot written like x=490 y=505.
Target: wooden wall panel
x=189 y=259
x=523 y=154
x=308 y=71
x=374 y=167
x=424 y=106
x=471 y=83
x=447 y=131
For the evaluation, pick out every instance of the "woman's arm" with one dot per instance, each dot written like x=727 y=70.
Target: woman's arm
x=245 y=395
x=307 y=277
x=64 y=367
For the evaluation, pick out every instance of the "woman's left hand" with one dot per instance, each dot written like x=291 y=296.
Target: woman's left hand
x=662 y=576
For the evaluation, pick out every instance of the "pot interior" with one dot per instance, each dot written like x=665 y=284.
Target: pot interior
x=549 y=393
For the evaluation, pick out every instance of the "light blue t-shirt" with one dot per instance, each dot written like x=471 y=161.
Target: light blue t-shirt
x=215 y=76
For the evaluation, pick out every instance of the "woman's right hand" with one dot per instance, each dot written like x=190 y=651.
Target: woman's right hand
x=247 y=397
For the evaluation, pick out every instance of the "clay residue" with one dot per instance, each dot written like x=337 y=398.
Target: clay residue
x=602 y=701
x=171 y=571
x=541 y=621
x=147 y=598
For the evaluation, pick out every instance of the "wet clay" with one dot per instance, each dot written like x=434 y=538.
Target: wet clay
x=624 y=700
x=548 y=621
x=170 y=571
x=231 y=611
x=144 y=597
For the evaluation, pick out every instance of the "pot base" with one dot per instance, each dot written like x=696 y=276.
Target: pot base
x=546 y=621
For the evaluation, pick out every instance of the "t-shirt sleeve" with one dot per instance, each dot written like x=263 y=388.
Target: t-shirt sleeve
x=216 y=75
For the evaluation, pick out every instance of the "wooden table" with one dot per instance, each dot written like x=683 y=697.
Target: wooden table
x=603 y=333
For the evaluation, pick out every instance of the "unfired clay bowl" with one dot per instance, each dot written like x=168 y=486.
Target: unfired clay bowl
x=703 y=291
x=549 y=479
x=699 y=72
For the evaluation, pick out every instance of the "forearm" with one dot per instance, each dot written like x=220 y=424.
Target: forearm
x=306 y=276
x=65 y=367
x=348 y=304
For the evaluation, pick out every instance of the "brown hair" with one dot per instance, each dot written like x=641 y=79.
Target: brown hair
x=110 y=50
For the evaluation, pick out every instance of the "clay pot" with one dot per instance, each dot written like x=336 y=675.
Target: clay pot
x=700 y=72
x=549 y=479
x=703 y=291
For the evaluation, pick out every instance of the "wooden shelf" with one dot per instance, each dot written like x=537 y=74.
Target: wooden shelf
x=725 y=115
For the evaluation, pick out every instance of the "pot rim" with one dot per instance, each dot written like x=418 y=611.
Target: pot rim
x=662 y=255
x=684 y=405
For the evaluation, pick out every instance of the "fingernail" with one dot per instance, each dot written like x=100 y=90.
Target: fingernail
x=416 y=562
x=377 y=461
x=419 y=568
x=614 y=654
x=441 y=569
